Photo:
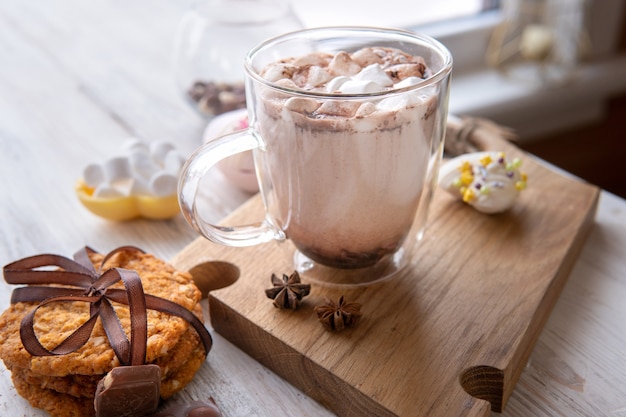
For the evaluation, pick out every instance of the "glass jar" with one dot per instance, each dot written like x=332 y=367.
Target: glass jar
x=212 y=40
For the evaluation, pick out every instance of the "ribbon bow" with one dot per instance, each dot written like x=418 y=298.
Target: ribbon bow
x=93 y=288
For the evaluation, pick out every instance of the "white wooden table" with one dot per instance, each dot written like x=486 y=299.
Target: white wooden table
x=78 y=78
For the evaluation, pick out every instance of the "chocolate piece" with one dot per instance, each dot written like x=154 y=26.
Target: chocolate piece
x=193 y=409
x=216 y=98
x=128 y=391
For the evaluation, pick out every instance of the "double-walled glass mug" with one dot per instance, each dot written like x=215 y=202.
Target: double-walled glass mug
x=347 y=140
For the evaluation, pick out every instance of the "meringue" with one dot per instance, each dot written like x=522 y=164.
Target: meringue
x=484 y=180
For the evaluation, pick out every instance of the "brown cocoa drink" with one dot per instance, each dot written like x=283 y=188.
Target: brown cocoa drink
x=347 y=170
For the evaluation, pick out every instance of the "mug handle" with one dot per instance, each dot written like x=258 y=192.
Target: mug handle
x=196 y=167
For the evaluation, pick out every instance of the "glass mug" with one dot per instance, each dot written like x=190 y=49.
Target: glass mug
x=349 y=192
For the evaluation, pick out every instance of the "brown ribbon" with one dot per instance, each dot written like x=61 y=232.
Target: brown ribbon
x=94 y=288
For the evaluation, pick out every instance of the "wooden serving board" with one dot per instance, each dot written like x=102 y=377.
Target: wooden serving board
x=448 y=336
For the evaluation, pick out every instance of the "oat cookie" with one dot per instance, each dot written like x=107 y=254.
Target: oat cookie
x=64 y=385
x=175 y=366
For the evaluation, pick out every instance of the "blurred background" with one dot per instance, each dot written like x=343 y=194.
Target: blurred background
x=552 y=70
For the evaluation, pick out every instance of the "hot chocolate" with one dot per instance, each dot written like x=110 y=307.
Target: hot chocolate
x=348 y=169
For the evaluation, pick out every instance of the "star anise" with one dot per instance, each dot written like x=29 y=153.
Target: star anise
x=337 y=316
x=288 y=291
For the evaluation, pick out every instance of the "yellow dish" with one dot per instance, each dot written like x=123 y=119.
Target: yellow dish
x=128 y=207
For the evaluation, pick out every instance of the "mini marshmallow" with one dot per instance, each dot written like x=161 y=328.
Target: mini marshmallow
x=146 y=170
x=163 y=184
x=116 y=168
x=360 y=87
x=376 y=74
x=286 y=83
x=141 y=164
x=343 y=108
x=139 y=186
x=302 y=105
x=365 y=109
x=394 y=102
x=173 y=162
x=315 y=58
x=317 y=76
x=158 y=151
x=366 y=56
x=279 y=71
x=105 y=190
x=342 y=64
x=408 y=82
x=369 y=80
x=402 y=100
x=124 y=186
x=335 y=84
x=93 y=175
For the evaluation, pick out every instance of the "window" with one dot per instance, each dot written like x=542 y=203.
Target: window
x=448 y=20
x=397 y=13
x=466 y=27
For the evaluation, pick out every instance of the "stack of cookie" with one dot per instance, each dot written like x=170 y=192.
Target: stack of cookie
x=65 y=385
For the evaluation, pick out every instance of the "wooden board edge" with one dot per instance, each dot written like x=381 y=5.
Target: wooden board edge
x=312 y=379
x=542 y=314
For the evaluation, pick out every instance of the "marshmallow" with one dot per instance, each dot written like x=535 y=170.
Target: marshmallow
x=368 y=70
x=408 y=82
x=139 y=186
x=360 y=87
x=336 y=83
x=402 y=100
x=315 y=58
x=158 y=151
x=365 y=109
x=142 y=164
x=93 y=175
x=163 y=184
x=342 y=64
x=302 y=105
x=376 y=74
x=317 y=76
x=279 y=71
x=106 y=190
x=144 y=170
x=173 y=162
x=367 y=56
x=371 y=79
x=116 y=169
x=286 y=83
x=397 y=101
x=140 y=183
x=341 y=108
